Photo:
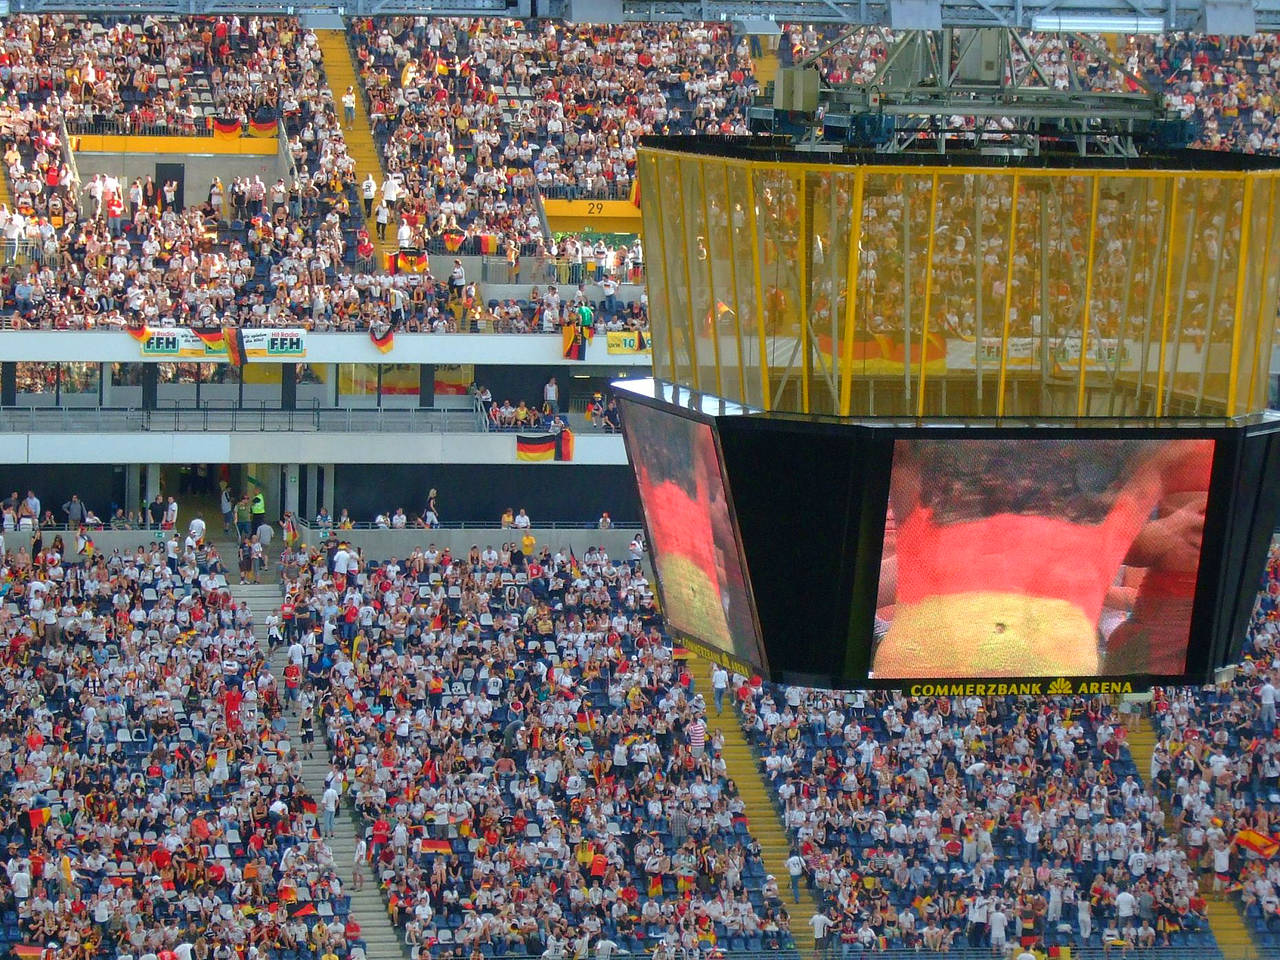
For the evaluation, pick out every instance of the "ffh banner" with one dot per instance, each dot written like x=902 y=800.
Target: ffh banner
x=181 y=342
x=275 y=344
x=285 y=343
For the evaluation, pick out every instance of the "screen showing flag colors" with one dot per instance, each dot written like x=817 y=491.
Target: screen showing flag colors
x=702 y=576
x=1013 y=557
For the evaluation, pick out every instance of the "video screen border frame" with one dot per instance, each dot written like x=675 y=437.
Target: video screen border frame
x=1201 y=653
x=697 y=644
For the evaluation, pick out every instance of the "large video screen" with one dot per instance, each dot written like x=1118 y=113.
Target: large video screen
x=1016 y=557
x=702 y=579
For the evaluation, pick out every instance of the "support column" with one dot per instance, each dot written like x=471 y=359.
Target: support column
x=288 y=386
x=8 y=384
x=312 y=506
x=153 y=481
x=150 y=385
x=132 y=486
x=291 y=471
x=426 y=386
x=327 y=498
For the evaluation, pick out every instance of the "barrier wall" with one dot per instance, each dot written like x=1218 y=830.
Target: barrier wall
x=376 y=544
x=962 y=285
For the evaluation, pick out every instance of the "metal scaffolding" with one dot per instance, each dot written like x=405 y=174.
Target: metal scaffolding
x=1262 y=15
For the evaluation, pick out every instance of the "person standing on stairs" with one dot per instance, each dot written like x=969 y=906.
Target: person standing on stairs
x=795 y=868
x=349 y=108
x=368 y=192
x=329 y=809
x=358 y=859
x=719 y=684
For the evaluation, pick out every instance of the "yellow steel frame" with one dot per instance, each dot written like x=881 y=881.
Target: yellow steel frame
x=1088 y=295
x=1170 y=249
x=802 y=294
x=1008 y=300
x=1242 y=277
x=691 y=322
x=661 y=250
x=1255 y=260
x=713 y=317
x=733 y=280
x=766 y=394
x=851 y=297
x=928 y=296
x=1265 y=318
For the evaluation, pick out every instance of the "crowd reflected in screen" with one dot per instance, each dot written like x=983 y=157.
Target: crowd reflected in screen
x=700 y=574
x=1017 y=557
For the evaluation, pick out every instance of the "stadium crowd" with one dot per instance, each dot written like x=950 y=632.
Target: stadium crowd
x=517 y=716
x=151 y=800
x=474 y=114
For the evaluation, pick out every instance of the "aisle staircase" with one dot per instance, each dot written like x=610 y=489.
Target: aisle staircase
x=765 y=68
x=762 y=815
x=340 y=72
x=1225 y=922
x=382 y=941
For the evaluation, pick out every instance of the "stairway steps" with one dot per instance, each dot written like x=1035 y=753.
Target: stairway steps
x=340 y=72
x=762 y=816
x=381 y=938
x=1228 y=927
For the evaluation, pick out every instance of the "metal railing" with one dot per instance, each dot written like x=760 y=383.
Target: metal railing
x=628 y=526
x=122 y=126
x=609 y=190
x=559 y=270
x=226 y=417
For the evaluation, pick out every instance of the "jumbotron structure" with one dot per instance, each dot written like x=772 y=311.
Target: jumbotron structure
x=1019 y=397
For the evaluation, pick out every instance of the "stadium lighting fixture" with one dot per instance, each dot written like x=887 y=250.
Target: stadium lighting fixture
x=1055 y=23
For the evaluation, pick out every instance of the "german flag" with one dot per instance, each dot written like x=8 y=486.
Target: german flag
x=39 y=817
x=453 y=241
x=309 y=806
x=536 y=449
x=224 y=129
x=297 y=909
x=139 y=333
x=214 y=338
x=436 y=846
x=574 y=342
x=407 y=262
x=262 y=128
x=564 y=446
x=385 y=340
x=233 y=338
x=26 y=951
x=1261 y=844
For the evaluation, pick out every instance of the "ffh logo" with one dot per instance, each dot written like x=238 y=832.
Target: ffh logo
x=277 y=344
x=162 y=343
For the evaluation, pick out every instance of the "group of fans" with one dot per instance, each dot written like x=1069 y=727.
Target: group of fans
x=151 y=799
x=535 y=772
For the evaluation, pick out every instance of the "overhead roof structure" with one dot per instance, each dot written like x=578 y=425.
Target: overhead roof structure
x=1209 y=16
